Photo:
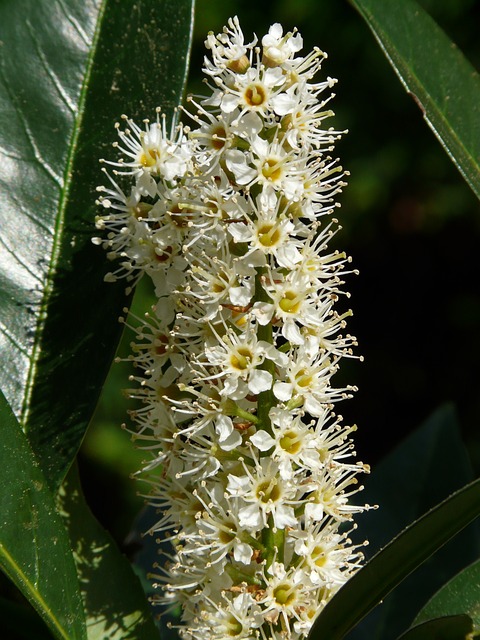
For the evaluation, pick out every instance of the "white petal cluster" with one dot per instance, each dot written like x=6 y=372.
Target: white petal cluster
x=250 y=468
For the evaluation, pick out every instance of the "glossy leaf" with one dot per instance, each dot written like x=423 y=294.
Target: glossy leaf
x=435 y=73
x=460 y=595
x=69 y=69
x=34 y=546
x=396 y=561
x=446 y=628
x=434 y=450
x=115 y=604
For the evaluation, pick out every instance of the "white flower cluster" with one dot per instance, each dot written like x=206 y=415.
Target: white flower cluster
x=251 y=471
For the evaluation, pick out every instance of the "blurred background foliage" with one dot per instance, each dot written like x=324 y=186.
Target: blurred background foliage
x=410 y=223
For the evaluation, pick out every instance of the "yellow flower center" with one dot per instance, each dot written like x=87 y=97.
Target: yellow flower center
x=289 y=303
x=268 y=235
x=290 y=442
x=284 y=594
x=234 y=627
x=227 y=533
x=149 y=157
x=319 y=556
x=303 y=378
x=218 y=137
x=242 y=358
x=220 y=282
x=272 y=169
x=255 y=95
x=268 y=490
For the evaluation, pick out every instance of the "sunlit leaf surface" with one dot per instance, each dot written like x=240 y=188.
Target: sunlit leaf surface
x=115 y=604
x=69 y=69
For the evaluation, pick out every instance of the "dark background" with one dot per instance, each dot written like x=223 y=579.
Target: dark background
x=409 y=221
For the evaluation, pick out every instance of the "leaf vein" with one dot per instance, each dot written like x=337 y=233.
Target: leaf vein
x=30 y=137
x=8 y=334
x=36 y=597
x=51 y=74
x=75 y=24
x=27 y=213
x=21 y=262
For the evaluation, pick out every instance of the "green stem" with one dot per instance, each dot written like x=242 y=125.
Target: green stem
x=222 y=455
x=253 y=542
x=240 y=576
x=266 y=399
x=273 y=539
x=294 y=403
x=231 y=408
x=274 y=542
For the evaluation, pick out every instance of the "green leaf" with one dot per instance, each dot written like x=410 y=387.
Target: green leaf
x=446 y=628
x=396 y=561
x=115 y=604
x=69 y=70
x=460 y=595
x=34 y=547
x=435 y=73
x=434 y=451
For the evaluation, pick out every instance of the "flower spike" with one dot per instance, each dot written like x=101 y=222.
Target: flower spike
x=249 y=467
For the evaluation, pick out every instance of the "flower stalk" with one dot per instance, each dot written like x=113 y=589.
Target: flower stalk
x=250 y=468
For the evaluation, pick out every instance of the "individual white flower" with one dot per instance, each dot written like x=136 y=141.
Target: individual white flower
x=219 y=132
x=292 y=303
x=269 y=165
x=303 y=124
x=308 y=382
x=216 y=282
x=228 y=49
x=277 y=48
x=238 y=359
x=258 y=90
x=267 y=232
x=287 y=594
x=220 y=531
x=239 y=617
x=292 y=443
x=333 y=491
x=265 y=494
x=327 y=557
x=152 y=150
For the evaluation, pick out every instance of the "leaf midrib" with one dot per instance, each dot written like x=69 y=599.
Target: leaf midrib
x=35 y=594
x=396 y=62
x=59 y=225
